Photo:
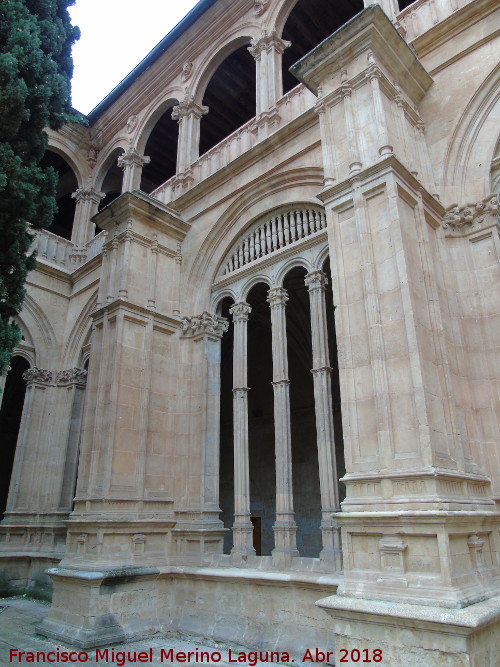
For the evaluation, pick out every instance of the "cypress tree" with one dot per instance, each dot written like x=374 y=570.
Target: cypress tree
x=35 y=71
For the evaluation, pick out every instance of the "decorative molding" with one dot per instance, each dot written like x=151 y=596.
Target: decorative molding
x=37 y=375
x=188 y=107
x=240 y=311
x=72 y=376
x=202 y=326
x=470 y=218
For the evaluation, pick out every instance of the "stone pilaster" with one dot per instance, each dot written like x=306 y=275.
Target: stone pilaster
x=199 y=522
x=415 y=515
x=242 y=527
x=331 y=554
x=188 y=114
x=132 y=163
x=285 y=528
x=87 y=201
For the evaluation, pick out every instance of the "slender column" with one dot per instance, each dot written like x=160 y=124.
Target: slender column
x=327 y=143
x=242 y=527
x=285 y=528
x=331 y=553
x=87 y=202
x=267 y=51
x=188 y=114
x=132 y=163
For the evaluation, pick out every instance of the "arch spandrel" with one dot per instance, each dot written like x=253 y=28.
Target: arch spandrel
x=467 y=164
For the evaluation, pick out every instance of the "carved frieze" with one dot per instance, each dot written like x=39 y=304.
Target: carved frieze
x=471 y=217
x=37 y=375
x=72 y=376
x=207 y=325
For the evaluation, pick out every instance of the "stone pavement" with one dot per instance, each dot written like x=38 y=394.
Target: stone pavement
x=19 y=618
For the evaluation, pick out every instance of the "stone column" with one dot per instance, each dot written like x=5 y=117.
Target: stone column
x=345 y=91
x=373 y=74
x=331 y=554
x=87 y=202
x=267 y=51
x=285 y=528
x=242 y=527
x=132 y=163
x=188 y=114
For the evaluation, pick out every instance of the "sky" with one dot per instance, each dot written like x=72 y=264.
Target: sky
x=116 y=35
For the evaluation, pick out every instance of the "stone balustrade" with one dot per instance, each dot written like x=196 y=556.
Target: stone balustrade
x=422 y=15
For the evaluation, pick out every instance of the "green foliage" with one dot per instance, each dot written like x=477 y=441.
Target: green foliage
x=35 y=70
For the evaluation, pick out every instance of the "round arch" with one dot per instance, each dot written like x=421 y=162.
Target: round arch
x=151 y=117
x=467 y=165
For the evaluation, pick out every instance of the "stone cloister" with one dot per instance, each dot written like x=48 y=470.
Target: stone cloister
x=256 y=398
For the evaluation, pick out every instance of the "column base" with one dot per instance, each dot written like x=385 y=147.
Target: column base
x=285 y=539
x=395 y=634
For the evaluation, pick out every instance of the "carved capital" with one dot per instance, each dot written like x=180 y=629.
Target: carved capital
x=277 y=297
x=202 y=326
x=88 y=194
x=316 y=280
x=188 y=107
x=267 y=42
x=37 y=375
x=471 y=217
x=72 y=376
x=345 y=90
x=240 y=311
x=132 y=157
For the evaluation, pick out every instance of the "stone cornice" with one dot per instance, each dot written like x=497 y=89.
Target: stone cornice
x=368 y=30
x=167 y=323
x=145 y=208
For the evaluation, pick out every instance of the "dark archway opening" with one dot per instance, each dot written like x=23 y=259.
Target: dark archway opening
x=230 y=97
x=305 y=473
x=226 y=461
x=403 y=4
x=309 y=23
x=62 y=225
x=161 y=147
x=10 y=421
x=262 y=464
x=112 y=183
x=334 y=363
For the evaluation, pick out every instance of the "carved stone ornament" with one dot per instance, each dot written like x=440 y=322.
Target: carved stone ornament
x=316 y=280
x=132 y=157
x=72 y=376
x=131 y=123
x=92 y=154
x=277 y=297
x=187 y=107
x=259 y=7
x=204 y=325
x=88 y=194
x=471 y=217
x=266 y=42
x=38 y=375
x=240 y=311
x=187 y=70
